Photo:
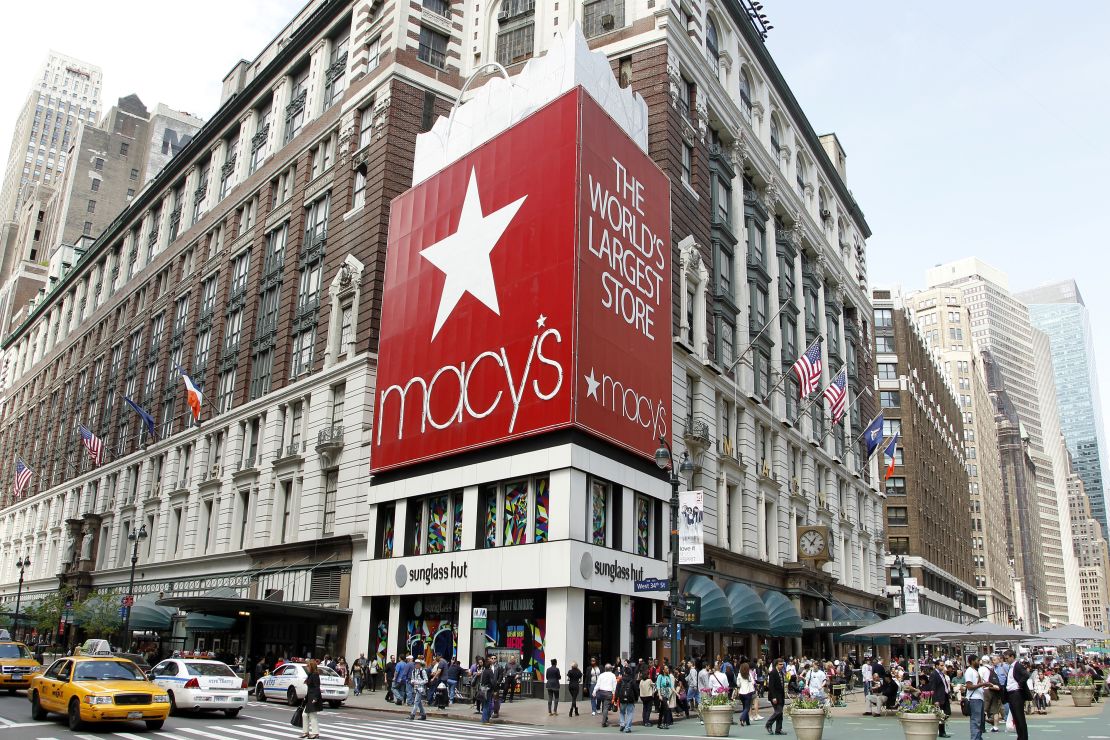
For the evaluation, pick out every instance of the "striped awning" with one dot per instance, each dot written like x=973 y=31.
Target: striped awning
x=749 y=614
x=785 y=620
x=196 y=622
x=716 y=612
x=146 y=615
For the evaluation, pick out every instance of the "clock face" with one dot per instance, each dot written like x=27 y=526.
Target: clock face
x=812 y=543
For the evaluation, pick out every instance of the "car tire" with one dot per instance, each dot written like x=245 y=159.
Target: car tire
x=37 y=712
x=173 y=703
x=155 y=724
x=73 y=715
x=291 y=697
x=11 y=692
x=260 y=693
x=335 y=704
x=231 y=713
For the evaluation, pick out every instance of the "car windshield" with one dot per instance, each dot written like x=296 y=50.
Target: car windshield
x=325 y=671
x=209 y=669
x=108 y=670
x=14 y=651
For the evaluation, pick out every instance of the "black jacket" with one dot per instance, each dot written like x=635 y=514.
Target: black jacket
x=574 y=676
x=776 y=688
x=1021 y=675
x=938 y=686
x=553 y=676
x=313 y=700
x=890 y=691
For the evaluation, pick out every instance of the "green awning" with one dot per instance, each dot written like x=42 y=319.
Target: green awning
x=146 y=615
x=196 y=622
x=785 y=620
x=716 y=613
x=749 y=614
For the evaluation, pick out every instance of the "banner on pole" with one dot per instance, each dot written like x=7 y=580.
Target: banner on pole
x=691 y=508
x=913 y=594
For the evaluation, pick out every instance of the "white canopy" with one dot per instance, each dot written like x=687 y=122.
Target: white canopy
x=909 y=625
x=1070 y=633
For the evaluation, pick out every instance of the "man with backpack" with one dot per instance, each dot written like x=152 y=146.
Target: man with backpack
x=419 y=682
x=487 y=687
x=628 y=695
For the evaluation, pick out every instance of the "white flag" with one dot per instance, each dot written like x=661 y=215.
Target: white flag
x=691 y=509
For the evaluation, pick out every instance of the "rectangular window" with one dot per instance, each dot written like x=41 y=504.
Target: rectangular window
x=884 y=344
x=98 y=164
x=92 y=206
x=335 y=78
x=208 y=294
x=123 y=148
x=888 y=371
x=516 y=513
x=226 y=390
x=295 y=110
x=542 y=503
x=240 y=266
x=687 y=164
x=433 y=48
x=884 y=318
x=897 y=516
x=599 y=512
x=602 y=16
x=891 y=427
x=889 y=399
x=516 y=44
x=331 y=494
x=899 y=545
x=95 y=186
x=358 y=196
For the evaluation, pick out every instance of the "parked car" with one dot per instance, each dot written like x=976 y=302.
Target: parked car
x=201 y=685
x=288 y=680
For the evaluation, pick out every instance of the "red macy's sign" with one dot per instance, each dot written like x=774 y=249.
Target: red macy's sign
x=528 y=288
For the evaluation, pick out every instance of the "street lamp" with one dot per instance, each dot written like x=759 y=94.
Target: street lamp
x=22 y=563
x=664 y=459
x=136 y=538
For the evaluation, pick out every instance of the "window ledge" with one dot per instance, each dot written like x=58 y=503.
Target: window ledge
x=690 y=189
x=353 y=211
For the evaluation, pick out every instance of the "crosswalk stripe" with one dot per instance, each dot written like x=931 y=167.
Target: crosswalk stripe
x=170 y=735
x=252 y=734
x=279 y=730
x=127 y=736
x=202 y=733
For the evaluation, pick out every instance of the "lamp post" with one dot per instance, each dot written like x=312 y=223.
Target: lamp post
x=136 y=538
x=22 y=563
x=664 y=459
x=960 y=604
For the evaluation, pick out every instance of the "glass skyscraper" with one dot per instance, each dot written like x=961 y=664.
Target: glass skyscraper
x=1058 y=310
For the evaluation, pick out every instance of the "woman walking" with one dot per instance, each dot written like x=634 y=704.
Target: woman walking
x=554 y=677
x=647 y=696
x=745 y=689
x=313 y=702
x=574 y=684
x=664 y=688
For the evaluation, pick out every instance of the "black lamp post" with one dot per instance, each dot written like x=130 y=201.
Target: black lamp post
x=136 y=538
x=22 y=563
x=664 y=459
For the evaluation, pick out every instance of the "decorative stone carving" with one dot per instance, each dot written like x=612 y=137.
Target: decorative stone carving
x=740 y=153
x=757 y=111
x=771 y=195
x=702 y=112
x=689 y=133
x=675 y=78
x=381 y=116
x=725 y=60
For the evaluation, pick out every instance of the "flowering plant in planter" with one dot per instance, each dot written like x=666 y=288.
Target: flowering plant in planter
x=717 y=697
x=920 y=704
x=807 y=700
x=1081 y=678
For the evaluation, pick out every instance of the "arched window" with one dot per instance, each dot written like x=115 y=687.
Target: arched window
x=801 y=175
x=712 y=49
x=745 y=93
x=516 y=31
x=775 y=136
x=823 y=206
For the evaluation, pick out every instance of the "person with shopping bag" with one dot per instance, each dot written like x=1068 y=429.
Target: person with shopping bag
x=313 y=703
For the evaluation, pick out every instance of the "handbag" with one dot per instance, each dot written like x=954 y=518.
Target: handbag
x=965 y=707
x=298 y=713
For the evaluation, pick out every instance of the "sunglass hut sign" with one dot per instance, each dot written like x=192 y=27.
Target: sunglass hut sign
x=528 y=289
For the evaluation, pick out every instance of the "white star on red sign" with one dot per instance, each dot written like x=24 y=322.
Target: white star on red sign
x=463 y=257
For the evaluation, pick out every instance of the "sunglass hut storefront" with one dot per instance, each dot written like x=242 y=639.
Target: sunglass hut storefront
x=523 y=387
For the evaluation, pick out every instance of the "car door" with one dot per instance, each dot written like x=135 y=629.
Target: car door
x=53 y=685
x=161 y=674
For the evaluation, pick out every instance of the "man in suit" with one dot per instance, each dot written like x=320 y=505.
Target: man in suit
x=1017 y=693
x=942 y=689
x=776 y=692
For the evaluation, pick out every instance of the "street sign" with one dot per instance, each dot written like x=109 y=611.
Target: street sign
x=478 y=618
x=123 y=612
x=659 y=631
x=652 y=584
x=128 y=601
x=680 y=615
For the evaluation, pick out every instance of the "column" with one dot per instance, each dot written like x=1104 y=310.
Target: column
x=282 y=92
x=247 y=124
x=394 y=638
x=722 y=512
x=317 y=69
x=465 y=628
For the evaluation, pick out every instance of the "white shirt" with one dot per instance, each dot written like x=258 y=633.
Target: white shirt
x=607 y=681
x=1011 y=682
x=745 y=685
x=971 y=675
x=816 y=682
x=867 y=672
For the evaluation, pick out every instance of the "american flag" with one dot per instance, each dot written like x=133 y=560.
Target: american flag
x=808 y=368
x=22 y=477
x=92 y=443
x=837 y=395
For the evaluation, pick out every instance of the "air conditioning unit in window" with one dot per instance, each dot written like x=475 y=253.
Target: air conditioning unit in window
x=608 y=21
x=503 y=16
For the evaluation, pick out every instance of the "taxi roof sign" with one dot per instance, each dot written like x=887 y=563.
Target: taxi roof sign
x=5 y=635
x=96 y=647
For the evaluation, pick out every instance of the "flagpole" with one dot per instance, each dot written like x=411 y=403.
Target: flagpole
x=857 y=439
x=820 y=338
x=821 y=395
x=758 y=334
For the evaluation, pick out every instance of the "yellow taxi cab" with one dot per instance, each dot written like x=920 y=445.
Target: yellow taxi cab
x=17 y=665
x=97 y=688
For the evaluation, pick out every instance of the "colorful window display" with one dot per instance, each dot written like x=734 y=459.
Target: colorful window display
x=516 y=513
x=387 y=533
x=643 y=525
x=490 y=524
x=381 y=642
x=456 y=536
x=517 y=622
x=542 y=501
x=437 y=524
x=599 y=500
x=430 y=625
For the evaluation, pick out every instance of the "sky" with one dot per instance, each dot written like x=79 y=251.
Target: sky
x=971 y=129
x=977 y=129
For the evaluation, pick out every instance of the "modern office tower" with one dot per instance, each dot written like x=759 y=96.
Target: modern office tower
x=945 y=323
x=1058 y=310
x=928 y=498
x=1000 y=324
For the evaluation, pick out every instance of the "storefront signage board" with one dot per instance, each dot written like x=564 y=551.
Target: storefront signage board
x=527 y=289
x=913 y=595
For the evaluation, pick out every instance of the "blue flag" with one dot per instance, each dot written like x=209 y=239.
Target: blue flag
x=147 y=418
x=874 y=434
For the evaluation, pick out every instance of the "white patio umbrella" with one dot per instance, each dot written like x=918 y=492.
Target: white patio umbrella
x=1072 y=634
x=983 y=631
x=912 y=626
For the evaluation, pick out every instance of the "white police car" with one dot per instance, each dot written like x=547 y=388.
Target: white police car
x=288 y=681
x=201 y=684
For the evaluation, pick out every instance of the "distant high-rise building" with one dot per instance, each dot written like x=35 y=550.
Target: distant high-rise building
x=64 y=93
x=1091 y=552
x=941 y=315
x=1058 y=310
x=1000 y=324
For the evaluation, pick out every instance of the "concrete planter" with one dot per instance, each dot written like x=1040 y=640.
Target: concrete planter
x=809 y=724
x=718 y=720
x=1082 y=696
x=920 y=726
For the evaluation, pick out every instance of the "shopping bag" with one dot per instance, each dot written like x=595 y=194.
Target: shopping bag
x=295 y=720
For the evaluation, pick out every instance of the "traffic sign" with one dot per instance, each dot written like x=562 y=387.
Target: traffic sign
x=123 y=612
x=652 y=584
x=128 y=601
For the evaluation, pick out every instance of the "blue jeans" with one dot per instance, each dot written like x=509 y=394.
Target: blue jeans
x=976 y=718
x=358 y=684
x=451 y=684
x=627 y=712
x=401 y=691
x=417 y=702
x=487 y=707
x=746 y=707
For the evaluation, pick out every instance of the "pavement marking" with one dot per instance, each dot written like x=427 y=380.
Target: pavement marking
x=202 y=733
x=170 y=735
